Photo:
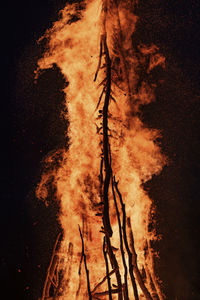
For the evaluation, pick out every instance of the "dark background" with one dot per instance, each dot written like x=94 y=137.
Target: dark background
x=31 y=128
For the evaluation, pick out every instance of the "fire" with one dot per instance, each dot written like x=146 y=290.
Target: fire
x=105 y=252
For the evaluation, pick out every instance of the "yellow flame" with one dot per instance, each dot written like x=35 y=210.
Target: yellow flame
x=74 y=48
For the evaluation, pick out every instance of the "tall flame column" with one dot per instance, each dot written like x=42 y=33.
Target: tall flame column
x=110 y=205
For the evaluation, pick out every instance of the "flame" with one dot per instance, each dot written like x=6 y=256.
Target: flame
x=79 y=50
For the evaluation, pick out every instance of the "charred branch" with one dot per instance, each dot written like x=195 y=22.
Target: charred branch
x=106 y=218
x=101 y=183
x=103 y=82
x=113 y=98
x=126 y=243
x=104 y=279
x=99 y=64
x=115 y=266
x=136 y=269
x=113 y=291
x=50 y=271
x=152 y=274
x=107 y=269
x=103 y=91
x=83 y=256
x=121 y=244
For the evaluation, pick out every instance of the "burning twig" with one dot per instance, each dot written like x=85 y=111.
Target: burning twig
x=136 y=269
x=103 y=91
x=103 y=82
x=107 y=269
x=126 y=243
x=121 y=244
x=106 y=218
x=83 y=256
x=113 y=291
x=152 y=274
x=50 y=271
x=114 y=265
x=99 y=64
x=105 y=277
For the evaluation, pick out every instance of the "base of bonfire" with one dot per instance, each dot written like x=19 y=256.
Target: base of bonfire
x=52 y=287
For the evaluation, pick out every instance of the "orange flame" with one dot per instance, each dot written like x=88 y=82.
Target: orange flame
x=74 y=48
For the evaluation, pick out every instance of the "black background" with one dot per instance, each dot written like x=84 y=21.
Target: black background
x=31 y=128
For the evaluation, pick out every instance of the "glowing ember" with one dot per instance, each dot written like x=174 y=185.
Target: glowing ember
x=105 y=252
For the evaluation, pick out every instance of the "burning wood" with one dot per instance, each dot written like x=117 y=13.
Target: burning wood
x=116 y=139
x=83 y=257
x=51 y=273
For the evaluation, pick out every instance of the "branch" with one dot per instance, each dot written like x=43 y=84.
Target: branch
x=114 y=265
x=136 y=269
x=83 y=256
x=50 y=271
x=103 y=280
x=99 y=64
x=107 y=269
x=152 y=274
x=126 y=243
x=104 y=88
x=121 y=244
x=113 y=291
x=106 y=218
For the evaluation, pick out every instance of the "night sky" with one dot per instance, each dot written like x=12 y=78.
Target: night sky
x=31 y=128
